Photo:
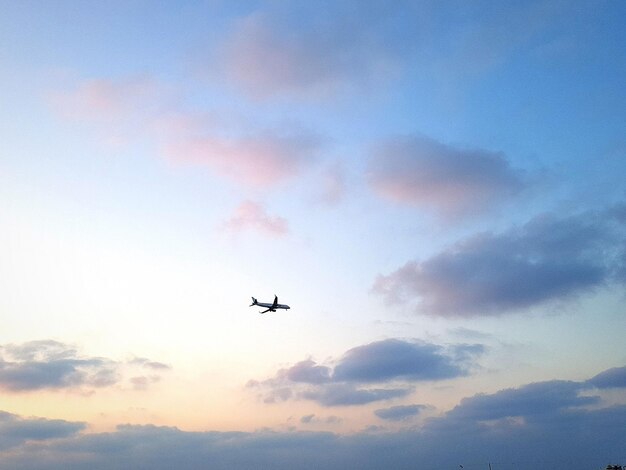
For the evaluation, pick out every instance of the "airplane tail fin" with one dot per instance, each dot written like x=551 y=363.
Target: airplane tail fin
x=253 y=302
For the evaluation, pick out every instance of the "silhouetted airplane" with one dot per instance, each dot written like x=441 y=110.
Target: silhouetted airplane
x=270 y=307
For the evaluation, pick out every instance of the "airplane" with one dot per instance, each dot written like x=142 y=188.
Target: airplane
x=270 y=307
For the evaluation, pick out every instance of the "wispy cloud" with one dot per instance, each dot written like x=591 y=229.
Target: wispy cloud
x=250 y=215
x=145 y=362
x=422 y=172
x=332 y=185
x=118 y=110
x=387 y=362
x=142 y=382
x=490 y=35
x=257 y=155
x=266 y=54
x=51 y=365
x=349 y=46
x=400 y=412
x=107 y=100
x=263 y=159
x=549 y=258
x=313 y=419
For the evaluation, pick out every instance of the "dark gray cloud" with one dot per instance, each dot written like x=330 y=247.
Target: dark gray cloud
x=312 y=419
x=339 y=394
x=308 y=372
x=400 y=412
x=396 y=359
x=277 y=394
x=534 y=426
x=15 y=430
x=333 y=419
x=422 y=172
x=612 y=378
x=549 y=258
x=383 y=362
x=529 y=401
x=48 y=364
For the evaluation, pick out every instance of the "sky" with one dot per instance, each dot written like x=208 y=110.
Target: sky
x=436 y=188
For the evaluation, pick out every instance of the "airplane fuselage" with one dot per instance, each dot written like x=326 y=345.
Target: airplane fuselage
x=272 y=306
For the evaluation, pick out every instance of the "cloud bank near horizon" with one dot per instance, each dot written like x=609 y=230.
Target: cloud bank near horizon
x=16 y=430
x=538 y=424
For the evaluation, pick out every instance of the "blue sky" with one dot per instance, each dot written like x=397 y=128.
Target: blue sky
x=436 y=188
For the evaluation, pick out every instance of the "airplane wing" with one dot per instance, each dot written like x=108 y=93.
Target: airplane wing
x=275 y=302
x=266 y=310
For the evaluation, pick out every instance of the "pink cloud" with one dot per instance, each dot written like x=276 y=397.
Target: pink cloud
x=265 y=57
x=105 y=99
x=123 y=110
x=252 y=216
x=117 y=110
x=261 y=160
x=422 y=172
